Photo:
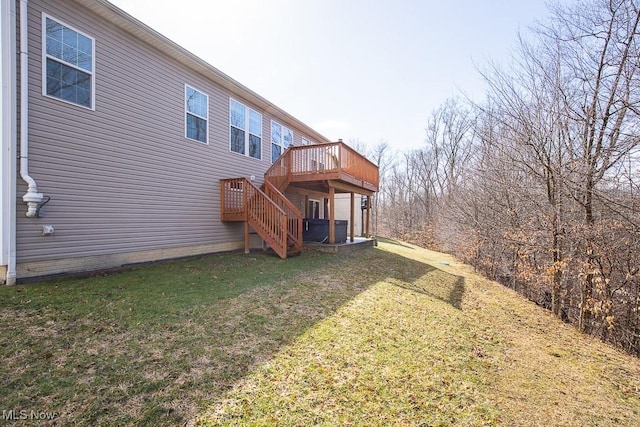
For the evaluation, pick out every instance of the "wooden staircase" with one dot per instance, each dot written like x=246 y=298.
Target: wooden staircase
x=319 y=168
x=269 y=213
x=293 y=218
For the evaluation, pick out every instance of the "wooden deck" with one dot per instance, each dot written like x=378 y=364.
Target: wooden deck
x=320 y=167
x=313 y=170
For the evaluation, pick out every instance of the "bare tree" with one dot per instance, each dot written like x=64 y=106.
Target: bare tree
x=538 y=186
x=448 y=143
x=382 y=156
x=600 y=55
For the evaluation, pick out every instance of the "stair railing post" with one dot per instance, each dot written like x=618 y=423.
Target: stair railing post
x=245 y=201
x=299 y=236
x=283 y=230
x=222 y=198
x=245 y=204
x=288 y=165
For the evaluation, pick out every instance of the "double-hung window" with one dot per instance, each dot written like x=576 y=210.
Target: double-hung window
x=281 y=139
x=68 y=63
x=245 y=130
x=196 y=106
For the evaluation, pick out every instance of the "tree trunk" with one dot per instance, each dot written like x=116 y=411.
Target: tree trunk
x=587 y=286
x=556 y=285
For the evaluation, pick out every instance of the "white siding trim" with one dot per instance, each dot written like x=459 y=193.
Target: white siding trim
x=8 y=166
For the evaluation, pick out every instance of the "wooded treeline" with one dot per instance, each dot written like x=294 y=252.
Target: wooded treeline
x=537 y=186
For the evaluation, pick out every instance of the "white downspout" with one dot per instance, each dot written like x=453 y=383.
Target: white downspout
x=8 y=108
x=32 y=198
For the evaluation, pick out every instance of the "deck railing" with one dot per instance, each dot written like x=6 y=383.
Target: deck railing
x=241 y=200
x=232 y=203
x=266 y=217
x=323 y=161
x=294 y=216
x=270 y=213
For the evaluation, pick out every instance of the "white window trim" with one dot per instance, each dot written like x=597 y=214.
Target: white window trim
x=45 y=56
x=186 y=85
x=281 y=144
x=247 y=110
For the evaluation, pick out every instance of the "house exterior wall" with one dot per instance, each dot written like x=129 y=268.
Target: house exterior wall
x=125 y=183
x=297 y=200
x=343 y=211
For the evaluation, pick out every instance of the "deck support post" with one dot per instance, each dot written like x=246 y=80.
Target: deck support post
x=352 y=226
x=366 y=233
x=332 y=215
x=246 y=237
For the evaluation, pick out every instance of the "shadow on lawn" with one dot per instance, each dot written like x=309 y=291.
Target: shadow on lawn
x=154 y=345
x=394 y=242
x=449 y=288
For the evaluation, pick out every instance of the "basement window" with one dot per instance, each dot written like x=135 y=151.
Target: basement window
x=68 y=63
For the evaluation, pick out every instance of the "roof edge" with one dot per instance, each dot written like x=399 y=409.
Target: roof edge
x=138 y=29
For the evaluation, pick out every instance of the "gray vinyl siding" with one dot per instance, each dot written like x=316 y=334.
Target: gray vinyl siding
x=297 y=200
x=124 y=177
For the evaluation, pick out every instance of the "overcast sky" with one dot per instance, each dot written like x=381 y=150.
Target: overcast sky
x=366 y=70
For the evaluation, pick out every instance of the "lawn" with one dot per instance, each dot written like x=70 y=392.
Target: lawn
x=395 y=335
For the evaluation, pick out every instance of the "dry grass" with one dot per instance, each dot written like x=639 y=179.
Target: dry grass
x=547 y=372
x=392 y=336
x=434 y=344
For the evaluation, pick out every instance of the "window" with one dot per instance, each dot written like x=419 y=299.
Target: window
x=196 y=114
x=68 y=63
x=281 y=139
x=246 y=130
